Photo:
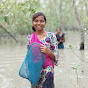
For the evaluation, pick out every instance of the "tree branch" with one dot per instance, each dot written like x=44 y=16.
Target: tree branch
x=9 y=33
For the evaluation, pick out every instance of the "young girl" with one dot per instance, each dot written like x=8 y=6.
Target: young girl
x=60 y=38
x=49 y=48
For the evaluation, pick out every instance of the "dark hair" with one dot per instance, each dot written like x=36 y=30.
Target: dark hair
x=58 y=28
x=35 y=16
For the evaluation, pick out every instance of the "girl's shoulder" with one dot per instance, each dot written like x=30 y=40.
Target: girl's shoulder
x=50 y=34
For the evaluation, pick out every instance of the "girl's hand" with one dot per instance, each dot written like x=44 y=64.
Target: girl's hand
x=61 y=40
x=58 y=42
x=44 y=49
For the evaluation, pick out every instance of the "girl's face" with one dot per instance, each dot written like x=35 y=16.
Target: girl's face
x=58 y=31
x=39 y=23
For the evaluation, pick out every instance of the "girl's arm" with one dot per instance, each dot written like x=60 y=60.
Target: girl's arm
x=53 y=51
x=63 y=39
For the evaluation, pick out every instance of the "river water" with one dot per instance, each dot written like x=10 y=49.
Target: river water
x=12 y=56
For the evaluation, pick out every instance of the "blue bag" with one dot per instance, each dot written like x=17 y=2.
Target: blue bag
x=33 y=63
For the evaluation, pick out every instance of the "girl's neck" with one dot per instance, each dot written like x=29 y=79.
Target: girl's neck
x=59 y=34
x=40 y=32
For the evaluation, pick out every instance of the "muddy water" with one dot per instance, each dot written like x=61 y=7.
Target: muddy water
x=12 y=56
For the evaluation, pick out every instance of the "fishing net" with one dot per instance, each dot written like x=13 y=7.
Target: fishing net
x=32 y=65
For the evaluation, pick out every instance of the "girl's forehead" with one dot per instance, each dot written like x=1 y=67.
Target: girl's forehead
x=58 y=29
x=40 y=17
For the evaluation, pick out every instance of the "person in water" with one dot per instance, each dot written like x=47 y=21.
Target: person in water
x=48 y=47
x=60 y=38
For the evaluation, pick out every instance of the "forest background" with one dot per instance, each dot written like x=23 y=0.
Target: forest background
x=69 y=15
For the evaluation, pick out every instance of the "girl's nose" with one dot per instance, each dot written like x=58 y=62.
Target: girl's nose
x=38 y=22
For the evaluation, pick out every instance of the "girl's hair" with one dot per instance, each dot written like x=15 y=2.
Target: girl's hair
x=35 y=16
x=58 y=28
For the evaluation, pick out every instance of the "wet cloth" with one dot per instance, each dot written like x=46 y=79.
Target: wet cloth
x=47 y=72
x=48 y=60
x=33 y=63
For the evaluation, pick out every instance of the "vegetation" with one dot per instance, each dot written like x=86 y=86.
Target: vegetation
x=16 y=15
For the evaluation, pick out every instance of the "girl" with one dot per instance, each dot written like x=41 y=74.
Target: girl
x=60 y=38
x=48 y=47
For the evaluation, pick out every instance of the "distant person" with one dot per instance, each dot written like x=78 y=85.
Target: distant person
x=60 y=38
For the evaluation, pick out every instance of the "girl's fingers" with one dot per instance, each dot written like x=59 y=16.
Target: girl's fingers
x=41 y=44
x=42 y=48
x=42 y=51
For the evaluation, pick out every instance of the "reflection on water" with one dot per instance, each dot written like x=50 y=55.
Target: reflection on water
x=12 y=56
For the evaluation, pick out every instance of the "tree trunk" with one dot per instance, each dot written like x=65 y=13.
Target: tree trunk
x=9 y=33
x=80 y=25
x=60 y=13
x=50 y=15
x=59 y=16
x=85 y=2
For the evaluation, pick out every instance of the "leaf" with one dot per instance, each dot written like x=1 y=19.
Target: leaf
x=24 y=11
x=1 y=11
x=4 y=18
x=82 y=70
x=33 y=10
x=78 y=66
x=70 y=46
x=73 y=67
x=22 y=4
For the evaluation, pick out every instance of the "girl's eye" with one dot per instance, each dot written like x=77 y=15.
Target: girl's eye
x=36 y=20
x=41 y=21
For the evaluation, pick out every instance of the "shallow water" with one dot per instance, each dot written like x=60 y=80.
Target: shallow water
x=65 y=76
x=12 y=56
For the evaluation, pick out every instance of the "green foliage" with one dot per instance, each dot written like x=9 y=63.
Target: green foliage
x=76 y=68
x=4 y=18
x=82 y=71
x=70 y=46
x=17 y=15
x=1 y=11
x=85 y=20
